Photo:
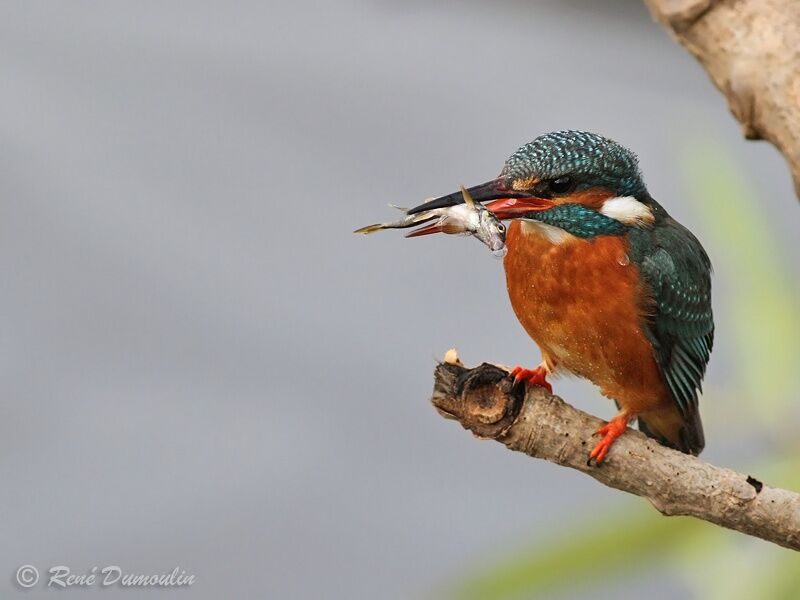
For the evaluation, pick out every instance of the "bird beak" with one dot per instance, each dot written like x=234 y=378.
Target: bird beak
x=509 y=208
x=504 y=202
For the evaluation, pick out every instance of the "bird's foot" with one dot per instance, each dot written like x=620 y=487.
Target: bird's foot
x=537 y=376
x=610 y=432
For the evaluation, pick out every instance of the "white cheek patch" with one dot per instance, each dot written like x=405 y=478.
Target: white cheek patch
x=628 y=210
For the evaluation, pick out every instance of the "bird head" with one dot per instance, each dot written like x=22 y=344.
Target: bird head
x=566 y=176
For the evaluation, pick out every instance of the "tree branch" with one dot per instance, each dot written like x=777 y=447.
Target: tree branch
x=544 y=426
x=751 y=51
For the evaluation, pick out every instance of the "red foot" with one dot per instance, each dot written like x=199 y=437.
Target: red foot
x=610 y=432
x=537 y=376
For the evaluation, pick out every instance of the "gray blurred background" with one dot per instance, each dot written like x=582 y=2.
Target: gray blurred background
x=204 y=368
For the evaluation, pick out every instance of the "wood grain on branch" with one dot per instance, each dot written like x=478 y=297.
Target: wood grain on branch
x=751 y=51
x=544 y=426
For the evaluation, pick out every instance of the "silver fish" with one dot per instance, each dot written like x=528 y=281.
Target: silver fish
x=470 y=218
x=405 y=222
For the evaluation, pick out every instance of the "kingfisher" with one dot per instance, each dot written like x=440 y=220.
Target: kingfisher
x=608 y=285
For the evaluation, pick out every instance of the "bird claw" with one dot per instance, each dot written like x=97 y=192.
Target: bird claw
x=600 y=451
x=537 y=376
x=610 y=432
x=604 y=430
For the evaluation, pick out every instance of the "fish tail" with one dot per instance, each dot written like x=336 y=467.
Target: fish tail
x=370 y=228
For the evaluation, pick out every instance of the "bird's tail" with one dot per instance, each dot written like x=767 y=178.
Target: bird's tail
x=668 y=427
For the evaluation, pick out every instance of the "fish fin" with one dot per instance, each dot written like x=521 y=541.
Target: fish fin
x=450 y=228
x=405 y=210
x=468 y=199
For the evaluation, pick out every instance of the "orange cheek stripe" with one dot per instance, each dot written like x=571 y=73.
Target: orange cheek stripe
x=593 y=197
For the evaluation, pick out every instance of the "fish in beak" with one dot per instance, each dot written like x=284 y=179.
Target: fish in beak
x=467 y=217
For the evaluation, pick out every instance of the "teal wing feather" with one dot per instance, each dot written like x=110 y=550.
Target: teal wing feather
x=680 y=323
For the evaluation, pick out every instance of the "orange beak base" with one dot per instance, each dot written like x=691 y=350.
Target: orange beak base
x=510 y=208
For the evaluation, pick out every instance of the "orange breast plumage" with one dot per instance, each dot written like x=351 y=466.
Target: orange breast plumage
x=582 y=302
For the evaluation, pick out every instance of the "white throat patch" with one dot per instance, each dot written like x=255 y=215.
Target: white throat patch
x=628 y=210
x=554 y=235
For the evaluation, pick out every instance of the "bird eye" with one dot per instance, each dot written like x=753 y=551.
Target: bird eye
x=501 y=228
x=562 y=185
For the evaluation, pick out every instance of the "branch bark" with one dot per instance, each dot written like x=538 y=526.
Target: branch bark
x=544 y=426
x=751 y=51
